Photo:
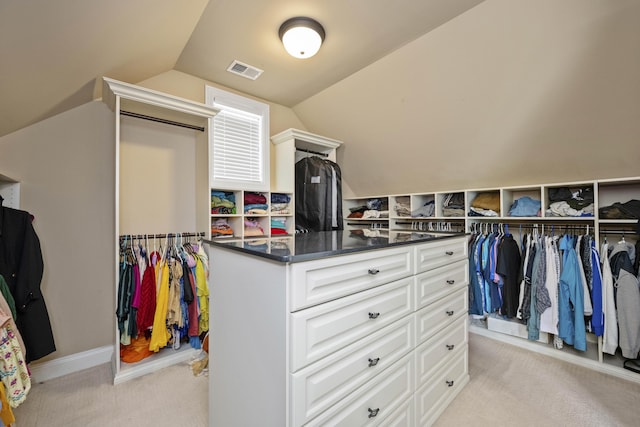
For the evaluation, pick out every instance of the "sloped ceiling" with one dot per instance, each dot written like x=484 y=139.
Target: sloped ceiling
x=51 y=53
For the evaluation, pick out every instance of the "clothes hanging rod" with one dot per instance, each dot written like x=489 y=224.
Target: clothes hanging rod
x=621 y=232
x=312 y=152
x=425 y=219
x=159 y=120
x=160 y=236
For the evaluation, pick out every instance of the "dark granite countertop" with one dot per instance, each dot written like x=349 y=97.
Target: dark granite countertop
x=316 y=245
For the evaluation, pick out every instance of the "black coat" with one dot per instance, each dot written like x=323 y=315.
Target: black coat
x=21 y=266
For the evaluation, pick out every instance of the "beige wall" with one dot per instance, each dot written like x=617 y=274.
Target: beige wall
x=66 y=169
x=510 y=92
x=187 y=86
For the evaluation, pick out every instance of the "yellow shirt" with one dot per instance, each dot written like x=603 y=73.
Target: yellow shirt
x=160 y=335
x=203 y=296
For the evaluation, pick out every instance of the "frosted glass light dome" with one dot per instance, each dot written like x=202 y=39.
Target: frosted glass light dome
x=301 y=37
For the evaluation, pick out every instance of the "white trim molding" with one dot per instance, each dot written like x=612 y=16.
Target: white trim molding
x=45 y=371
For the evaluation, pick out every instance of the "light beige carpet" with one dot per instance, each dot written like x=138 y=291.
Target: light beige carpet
x=509 y=387
x=172 y=397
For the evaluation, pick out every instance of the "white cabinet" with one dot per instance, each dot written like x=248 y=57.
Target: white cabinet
x=287 y=148
x=341 y=340
x=291 y=145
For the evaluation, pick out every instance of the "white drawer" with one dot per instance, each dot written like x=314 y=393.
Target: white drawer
x=404 y=416
x=436 y=254
x=321 y=330
x=315 y=282
x=435 y=284
x=440 y=314
x=375 y=401
x=433 y=397
x=436 y=352
x=322 y=384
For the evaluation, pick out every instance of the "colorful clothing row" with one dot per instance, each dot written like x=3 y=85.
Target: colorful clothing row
x=162 y=297
x=14 y=374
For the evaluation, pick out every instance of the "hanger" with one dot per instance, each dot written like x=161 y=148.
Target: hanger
x=622 y=238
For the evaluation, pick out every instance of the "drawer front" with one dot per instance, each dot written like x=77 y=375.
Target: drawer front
x=440 y=314
x=435 y=284
x=324 y=280
x=439 y=253
x=436 y=352
x=433 y=397
x=404 y=416
x=321 y=385
x=321 y=330
x=375 y=401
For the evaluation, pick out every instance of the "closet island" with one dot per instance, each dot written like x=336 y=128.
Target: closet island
x=339 y=327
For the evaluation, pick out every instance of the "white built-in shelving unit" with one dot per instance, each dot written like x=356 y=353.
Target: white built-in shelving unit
x=605 y=193
x=161 y=182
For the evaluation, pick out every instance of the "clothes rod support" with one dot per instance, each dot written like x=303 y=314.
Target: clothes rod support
x=618 y=232
x=160 y=236
x=159 y=120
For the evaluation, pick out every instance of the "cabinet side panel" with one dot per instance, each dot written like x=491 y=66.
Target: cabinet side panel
x=247 y=342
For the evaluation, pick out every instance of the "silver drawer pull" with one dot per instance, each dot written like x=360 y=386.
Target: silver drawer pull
x=374 y=362
x=373 y=271
x=373 y=315
x=449 y=383
x=373 y=412
x=449 y=312
x=451 y=282
x=450 y=347
x=449 y=252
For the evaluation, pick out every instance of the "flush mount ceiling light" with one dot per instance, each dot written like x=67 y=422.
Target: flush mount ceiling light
x=301 y=36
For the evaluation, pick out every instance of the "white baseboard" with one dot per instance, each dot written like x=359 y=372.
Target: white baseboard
x=51 y=369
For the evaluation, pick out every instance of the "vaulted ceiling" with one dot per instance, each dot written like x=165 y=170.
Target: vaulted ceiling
x=52 y=53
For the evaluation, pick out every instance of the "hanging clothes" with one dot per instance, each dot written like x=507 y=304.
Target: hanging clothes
x=318 y=194
x=610 y=336
x=627 y=296
x=160 y=334
x=201 y=273
x=509 y=268
x=571 y=301
x=21 y=265
x=161 y=293
x=475 y=290
x=597 y=319
x=549 y=318
x=13 y=366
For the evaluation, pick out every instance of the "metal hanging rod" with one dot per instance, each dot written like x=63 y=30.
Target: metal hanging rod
x=312 y=152
x=620 y=232
x=160 y=236
x=159 y=120
x=426 y=219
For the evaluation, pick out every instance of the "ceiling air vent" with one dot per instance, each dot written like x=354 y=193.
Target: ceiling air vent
x=244 y=70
